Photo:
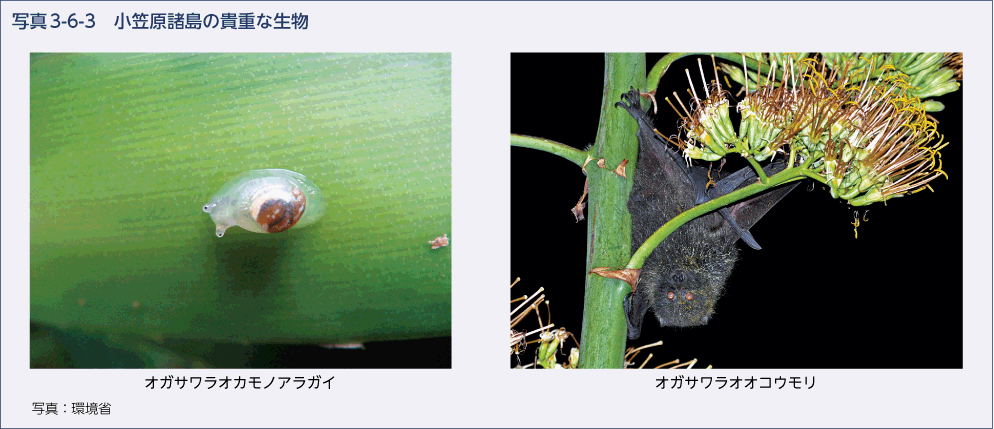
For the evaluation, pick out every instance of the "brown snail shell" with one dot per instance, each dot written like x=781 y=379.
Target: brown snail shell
x=276 y=208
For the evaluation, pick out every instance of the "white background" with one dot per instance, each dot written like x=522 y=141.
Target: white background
x=479 y=390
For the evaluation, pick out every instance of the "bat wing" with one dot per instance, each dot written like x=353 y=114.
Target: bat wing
x=653 y=149
x=635 y=310
x=748 y=212
x=664 y=185
x=743 y=215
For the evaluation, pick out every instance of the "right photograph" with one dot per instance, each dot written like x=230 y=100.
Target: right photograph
x=737 y=210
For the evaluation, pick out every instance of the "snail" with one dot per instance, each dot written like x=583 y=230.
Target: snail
x=266 y=201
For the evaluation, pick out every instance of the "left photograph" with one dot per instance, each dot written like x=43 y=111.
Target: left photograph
x=240 y=210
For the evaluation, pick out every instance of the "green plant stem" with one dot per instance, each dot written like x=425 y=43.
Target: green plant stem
x=659 y=69
x=759 y=170
x=604 y=331
x=785 y=176
x=813 y=175
x=571 y=154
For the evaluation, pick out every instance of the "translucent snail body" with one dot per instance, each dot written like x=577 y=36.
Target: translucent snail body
x=266 y=201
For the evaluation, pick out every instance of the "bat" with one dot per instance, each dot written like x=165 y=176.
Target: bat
x=683 y=278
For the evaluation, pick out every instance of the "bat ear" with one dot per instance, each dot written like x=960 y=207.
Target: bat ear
x=635 y=310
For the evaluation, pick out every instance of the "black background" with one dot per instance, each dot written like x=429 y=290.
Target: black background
x=814 y=297
x=423 y=353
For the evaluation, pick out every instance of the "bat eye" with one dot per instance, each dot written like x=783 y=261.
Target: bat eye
x=689 y=296
x=670 y=295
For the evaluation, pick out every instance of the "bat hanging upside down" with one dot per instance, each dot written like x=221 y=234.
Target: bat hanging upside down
x=683 y=278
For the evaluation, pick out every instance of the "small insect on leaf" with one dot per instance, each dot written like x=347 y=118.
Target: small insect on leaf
x=439 y=242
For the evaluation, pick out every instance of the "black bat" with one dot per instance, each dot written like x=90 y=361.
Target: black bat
x=683 y=278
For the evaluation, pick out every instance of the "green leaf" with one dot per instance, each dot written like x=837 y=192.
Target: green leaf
x=126 y=148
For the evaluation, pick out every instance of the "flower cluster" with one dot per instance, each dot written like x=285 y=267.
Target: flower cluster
x=861 y=127
x=930 y=74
